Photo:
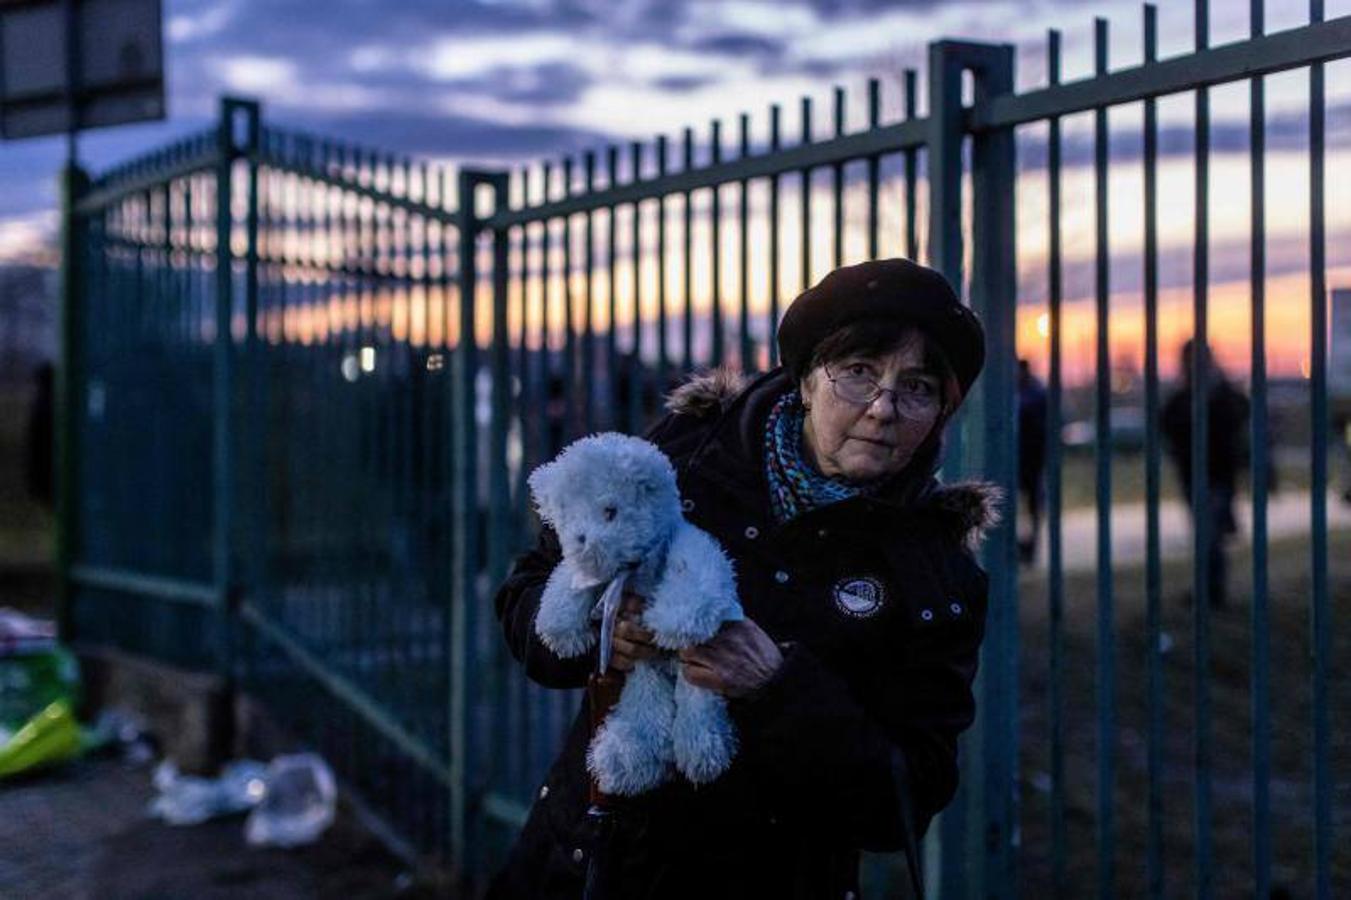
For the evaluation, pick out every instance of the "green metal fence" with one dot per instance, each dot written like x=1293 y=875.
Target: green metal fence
x=304 y=382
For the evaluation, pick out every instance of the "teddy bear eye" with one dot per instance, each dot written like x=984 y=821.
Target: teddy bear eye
x=610 y=512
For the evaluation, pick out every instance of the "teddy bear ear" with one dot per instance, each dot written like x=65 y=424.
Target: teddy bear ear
x=652 y=484
x=542 y=482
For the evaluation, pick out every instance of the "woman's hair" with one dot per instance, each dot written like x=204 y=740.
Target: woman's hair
x=874 y=337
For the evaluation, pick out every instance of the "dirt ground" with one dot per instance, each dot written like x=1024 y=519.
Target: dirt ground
x=1291 y=714
x=81 y=833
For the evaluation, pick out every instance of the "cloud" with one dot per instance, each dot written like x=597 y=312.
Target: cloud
x=738 y=44
x=680 y=84
x=465 y=137
x=1285 y=130
x=199 y=24
x=29 y=238
x=255 y=74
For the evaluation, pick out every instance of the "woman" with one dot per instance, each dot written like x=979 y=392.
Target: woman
x=850 y=678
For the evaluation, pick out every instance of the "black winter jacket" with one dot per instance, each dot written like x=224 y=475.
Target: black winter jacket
x=853 y=744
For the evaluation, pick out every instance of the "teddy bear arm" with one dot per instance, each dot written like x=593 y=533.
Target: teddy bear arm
x=696 y=592
x=563 y=622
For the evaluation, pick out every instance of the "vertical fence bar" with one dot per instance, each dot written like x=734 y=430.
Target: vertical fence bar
x=994 y=426
x=68 y=393
x=499 y=510
x=1320 y=620
x=1260 y=682
x=806 y=198
x=1102 y=455
x=587 y=383
x=1200 y=472
x=1153 y=457
x=547 y=447
x=1055 y=575
x=569 y=317
x=837 y=188
x=775 y=143
x=612 y=290
x=959 y=840
x=874 y=164
x=748 y=363
x=911 y=170
x=465 y=552
x=715 y=240
x=635 y=367
x=253 y=472
x=663 y=335
x=223 y=387
x=687 y=256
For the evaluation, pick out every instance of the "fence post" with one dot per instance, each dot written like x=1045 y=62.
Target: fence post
x=252 y=422
x=222 y=394
x=466 y=528
x=501 y=520
x=226 y=442
x=68 y=407
x=981 y=824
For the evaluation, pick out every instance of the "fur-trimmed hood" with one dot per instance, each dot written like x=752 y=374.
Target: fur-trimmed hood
x=974 y=506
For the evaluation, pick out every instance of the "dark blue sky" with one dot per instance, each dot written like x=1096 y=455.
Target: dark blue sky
x=508 y=81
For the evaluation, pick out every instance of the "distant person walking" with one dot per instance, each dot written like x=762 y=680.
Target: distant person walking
x=1031 y=453
x=1226 y=455
x=39 y=476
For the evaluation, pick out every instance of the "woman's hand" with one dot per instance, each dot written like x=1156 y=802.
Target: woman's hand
x=632 y=642
x=735 y=662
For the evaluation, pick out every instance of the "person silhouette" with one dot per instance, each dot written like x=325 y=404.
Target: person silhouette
x=1031 y=454
x=40 y=481
x=1226 y=455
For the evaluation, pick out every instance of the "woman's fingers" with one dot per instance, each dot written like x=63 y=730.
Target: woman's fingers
x=634 y=649
x=632 y=631
x=701 y=676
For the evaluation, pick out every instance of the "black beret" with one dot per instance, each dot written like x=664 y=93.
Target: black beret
x=883 y=289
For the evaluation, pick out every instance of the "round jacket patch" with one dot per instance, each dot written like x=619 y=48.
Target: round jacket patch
x=859 y=597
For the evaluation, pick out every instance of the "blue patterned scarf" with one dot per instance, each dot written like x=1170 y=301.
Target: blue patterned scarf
x=795 y=484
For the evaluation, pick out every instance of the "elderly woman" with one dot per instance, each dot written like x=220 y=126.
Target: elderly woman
x=849 y=680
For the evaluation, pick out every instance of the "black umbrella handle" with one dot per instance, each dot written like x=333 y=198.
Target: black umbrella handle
x=602 y=693
x=600 y=869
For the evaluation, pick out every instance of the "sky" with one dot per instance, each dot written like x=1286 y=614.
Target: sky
x=508 y=82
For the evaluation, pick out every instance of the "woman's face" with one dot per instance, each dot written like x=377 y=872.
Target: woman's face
x=866 y=441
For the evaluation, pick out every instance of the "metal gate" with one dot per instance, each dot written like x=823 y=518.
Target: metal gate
x=304 y=381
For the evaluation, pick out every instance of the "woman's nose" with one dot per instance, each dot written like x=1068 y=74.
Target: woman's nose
x=884 y=406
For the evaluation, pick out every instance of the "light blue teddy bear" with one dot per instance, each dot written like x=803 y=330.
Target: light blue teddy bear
x=614 y=503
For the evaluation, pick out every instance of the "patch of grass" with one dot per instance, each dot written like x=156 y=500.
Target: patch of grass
x=1079 y=478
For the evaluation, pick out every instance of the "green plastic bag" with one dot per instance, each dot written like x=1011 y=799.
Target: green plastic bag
x=38 y=692
x=29 y=682
x=50 y=737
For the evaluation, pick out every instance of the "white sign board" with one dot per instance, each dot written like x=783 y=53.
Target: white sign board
x=118 y=60
x=1339 y=347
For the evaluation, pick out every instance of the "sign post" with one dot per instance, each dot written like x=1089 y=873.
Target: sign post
x=71 y=65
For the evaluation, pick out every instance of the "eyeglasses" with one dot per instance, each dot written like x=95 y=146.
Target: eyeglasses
x=915 y=397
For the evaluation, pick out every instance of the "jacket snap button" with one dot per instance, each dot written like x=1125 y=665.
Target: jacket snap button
x=821 y=532
x=781 y=576
x=687 y=505
x=926 y=614
x=752 y=532
x=544 y=792
x=956 y=608
x=849 y=895
x=578 y=855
